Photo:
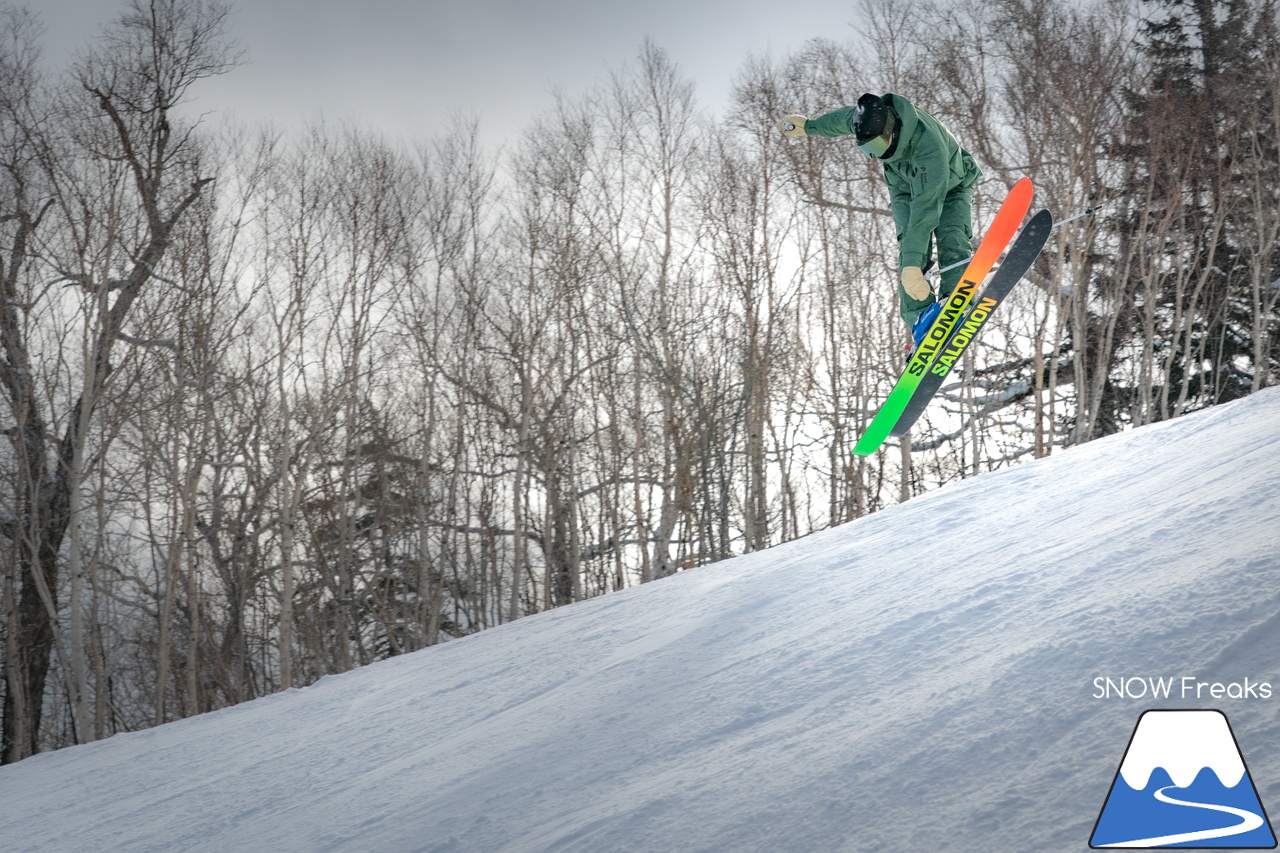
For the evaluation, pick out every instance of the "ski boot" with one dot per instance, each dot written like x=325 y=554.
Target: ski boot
x=921 y=327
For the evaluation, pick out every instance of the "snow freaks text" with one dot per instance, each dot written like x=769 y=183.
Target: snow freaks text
x=1184 y=687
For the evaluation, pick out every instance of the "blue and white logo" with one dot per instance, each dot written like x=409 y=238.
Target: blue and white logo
x=1183 y=783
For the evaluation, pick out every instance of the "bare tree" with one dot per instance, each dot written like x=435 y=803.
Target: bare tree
x=117 y=123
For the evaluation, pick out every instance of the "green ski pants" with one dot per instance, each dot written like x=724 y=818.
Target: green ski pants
x=953 y=237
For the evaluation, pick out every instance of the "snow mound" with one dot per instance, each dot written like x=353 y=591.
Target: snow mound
x=922 y=679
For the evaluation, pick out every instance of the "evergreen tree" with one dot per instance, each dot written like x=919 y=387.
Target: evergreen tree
x=1202 y=142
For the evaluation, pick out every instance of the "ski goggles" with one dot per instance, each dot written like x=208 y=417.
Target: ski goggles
x=876 y=146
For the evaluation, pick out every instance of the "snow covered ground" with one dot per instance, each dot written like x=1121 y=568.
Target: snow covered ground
x=922 y=679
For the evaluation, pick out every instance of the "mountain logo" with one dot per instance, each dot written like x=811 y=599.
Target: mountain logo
x=1183 y=783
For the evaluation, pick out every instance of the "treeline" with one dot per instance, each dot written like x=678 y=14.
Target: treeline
x=279 y=406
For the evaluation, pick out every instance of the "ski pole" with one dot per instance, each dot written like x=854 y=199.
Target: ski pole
x=1086 y=212
x=1089 y=211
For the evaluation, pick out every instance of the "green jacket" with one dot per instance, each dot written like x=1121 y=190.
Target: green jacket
x=926 y=165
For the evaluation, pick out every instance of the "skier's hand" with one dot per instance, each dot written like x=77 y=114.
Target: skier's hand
x=792 y=125
x=914 y=283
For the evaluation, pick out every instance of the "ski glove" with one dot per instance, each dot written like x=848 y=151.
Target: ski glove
x=914 y=283
x=792 y=125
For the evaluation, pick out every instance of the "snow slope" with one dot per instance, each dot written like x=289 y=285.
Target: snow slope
x=922 y=679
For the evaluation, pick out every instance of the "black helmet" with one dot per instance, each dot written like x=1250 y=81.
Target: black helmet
x=873 y=125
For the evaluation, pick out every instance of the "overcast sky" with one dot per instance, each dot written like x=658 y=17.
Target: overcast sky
x=403 y=67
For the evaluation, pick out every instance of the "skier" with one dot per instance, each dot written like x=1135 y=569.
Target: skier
x=930 y=180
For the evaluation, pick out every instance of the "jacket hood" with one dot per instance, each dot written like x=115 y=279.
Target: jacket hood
x=908 y=119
